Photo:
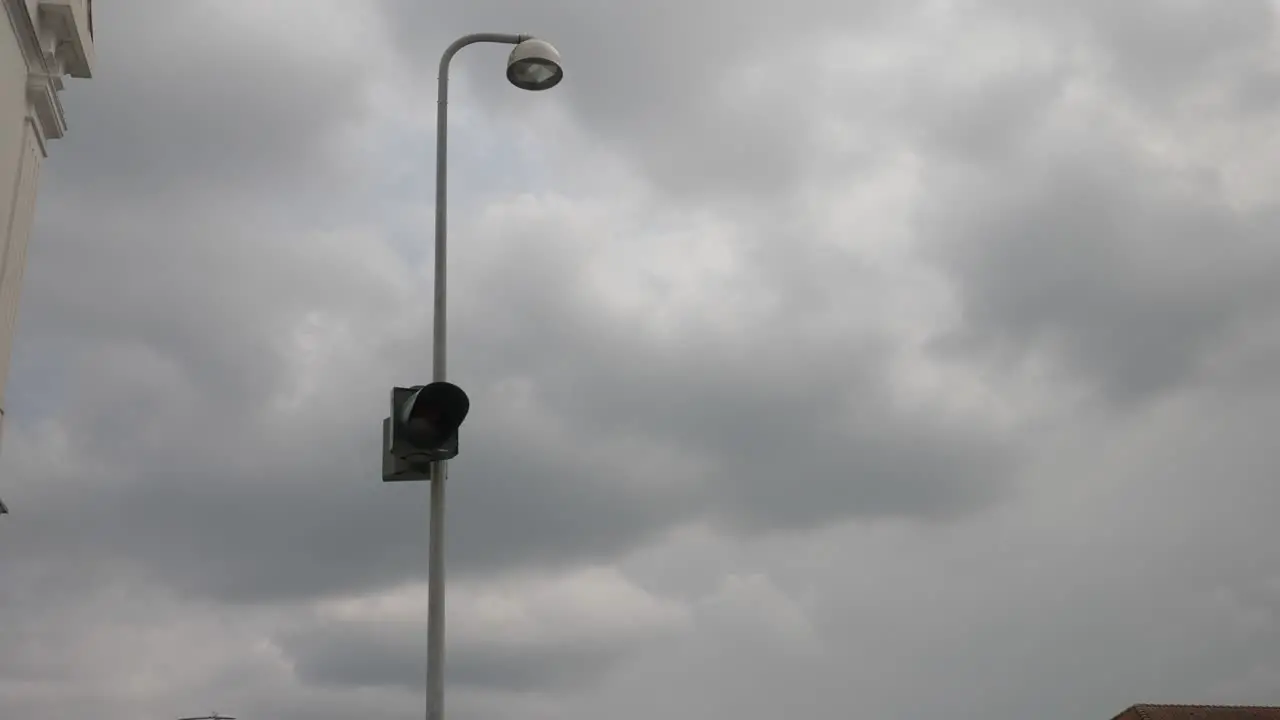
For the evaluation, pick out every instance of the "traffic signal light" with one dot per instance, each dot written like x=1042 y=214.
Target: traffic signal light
x=422 y=429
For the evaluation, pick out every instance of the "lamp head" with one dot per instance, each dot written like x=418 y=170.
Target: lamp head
x=534 y=65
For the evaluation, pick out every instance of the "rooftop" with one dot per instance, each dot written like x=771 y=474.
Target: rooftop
x=1199 y=712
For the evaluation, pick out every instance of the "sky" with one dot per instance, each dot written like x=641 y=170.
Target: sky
x=859 y=359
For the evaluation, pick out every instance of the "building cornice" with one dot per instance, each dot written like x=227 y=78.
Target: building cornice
x=24 y=28
x=61 y=44
x=65 y=29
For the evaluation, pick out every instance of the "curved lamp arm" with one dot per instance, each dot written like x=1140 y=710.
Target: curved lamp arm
x=438 y=359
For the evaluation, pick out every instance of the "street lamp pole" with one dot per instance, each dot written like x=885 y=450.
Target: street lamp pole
x=533 y=65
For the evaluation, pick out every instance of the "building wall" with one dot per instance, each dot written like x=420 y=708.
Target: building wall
x=13 y=119
x=13 y=124
x=41 y=41
x=16 y=221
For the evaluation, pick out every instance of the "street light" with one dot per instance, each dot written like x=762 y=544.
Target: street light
x=421 y=434
x=534 y=65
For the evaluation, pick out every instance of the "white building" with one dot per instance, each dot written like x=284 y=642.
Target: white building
x=47 y=40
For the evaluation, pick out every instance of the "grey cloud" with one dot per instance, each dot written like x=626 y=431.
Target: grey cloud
x=1071 y=240
x=753 y=408
x=1128 y=272
x=709 y=102
x=993 y=123
x=358 y=655
x=164 y=291
x=246 y=520
x=172 y=376
x=171 y=345
x=1258 y=91
x=745 y=406
x=793 y=422
x=720 y=108
x=172 y=266
x=253 y=534
x=170 y=114
x=1159 y=49
x=1140 y=571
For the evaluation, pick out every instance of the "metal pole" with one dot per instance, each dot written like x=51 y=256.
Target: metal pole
x=439 y=470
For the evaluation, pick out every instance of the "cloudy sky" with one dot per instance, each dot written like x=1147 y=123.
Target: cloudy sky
x=871 y=360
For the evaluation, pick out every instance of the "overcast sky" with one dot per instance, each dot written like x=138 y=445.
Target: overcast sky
x=828 y=360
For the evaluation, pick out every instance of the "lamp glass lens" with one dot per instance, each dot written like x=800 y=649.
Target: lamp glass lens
x=532 y=73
